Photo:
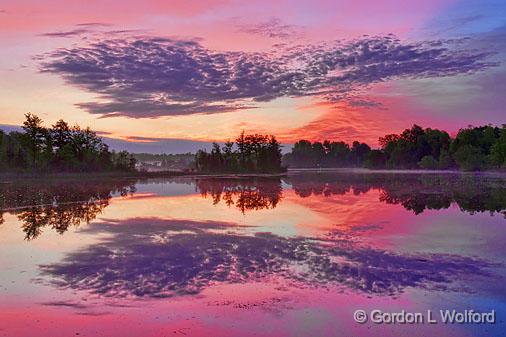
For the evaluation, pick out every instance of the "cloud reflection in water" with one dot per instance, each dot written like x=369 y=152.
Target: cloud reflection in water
x=154 y=257
x=163 y=258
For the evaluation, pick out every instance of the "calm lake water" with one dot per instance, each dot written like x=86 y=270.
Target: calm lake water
x=294 y=256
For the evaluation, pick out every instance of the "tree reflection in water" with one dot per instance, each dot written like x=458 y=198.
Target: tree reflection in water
x=244 y=194
x=160 y=258
x=163 y=258
x=58 y=205
x=414 y=192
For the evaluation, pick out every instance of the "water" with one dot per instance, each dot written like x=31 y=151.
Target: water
x=294 y=256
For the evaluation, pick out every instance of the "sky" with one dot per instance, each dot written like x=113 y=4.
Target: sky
x=154 y=75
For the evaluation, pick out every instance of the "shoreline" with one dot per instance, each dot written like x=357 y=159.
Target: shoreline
x=174 y=174
x=89 y=175
x=361 y=170
x=130 y=175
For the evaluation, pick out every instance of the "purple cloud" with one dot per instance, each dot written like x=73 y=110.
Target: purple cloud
x=151 y=77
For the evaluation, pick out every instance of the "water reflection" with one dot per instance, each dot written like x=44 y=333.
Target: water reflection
x=292 y=250
x=244 y=194
x=414 y=192
x=58 y=205
x=163 y=258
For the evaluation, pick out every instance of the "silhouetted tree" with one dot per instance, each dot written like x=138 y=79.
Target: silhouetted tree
x=255 y=153
x=376 y=159
x=35 y=137
x=359 y=153
x=407 y=149
x=428 y=163
x=60 y=148
x=469 y=158
x=498 y=149
x=474 y=148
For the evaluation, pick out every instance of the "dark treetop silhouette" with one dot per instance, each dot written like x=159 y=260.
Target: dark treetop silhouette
x=60 y=148
x=251 y=153
x=474 y=148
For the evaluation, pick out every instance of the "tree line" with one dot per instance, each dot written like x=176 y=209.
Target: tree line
x=473 y=148
x=249 y=153
x=60 y=148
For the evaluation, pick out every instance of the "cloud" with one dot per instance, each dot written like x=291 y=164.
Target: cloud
x=152 y=76
x=65 y=304
x=347 y=121
x=272 y=28
x=155 y=258
x=67 y=33
x=94 y=24
x=87 y=29
x=365 y=103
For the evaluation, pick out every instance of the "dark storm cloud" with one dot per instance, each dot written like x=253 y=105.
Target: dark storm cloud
x=151 y=77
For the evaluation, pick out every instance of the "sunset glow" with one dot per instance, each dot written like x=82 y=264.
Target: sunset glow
x=205 y=70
